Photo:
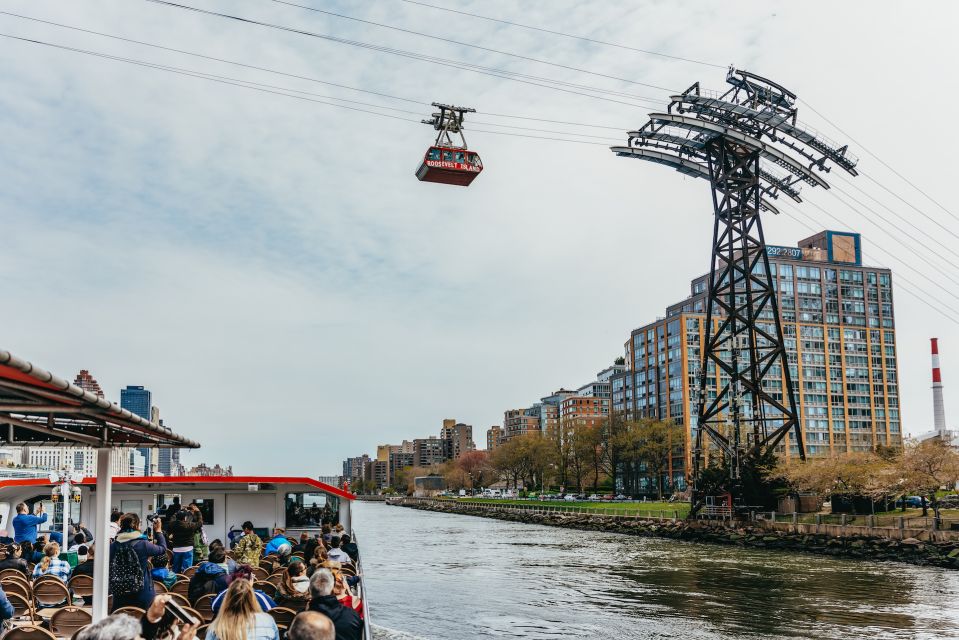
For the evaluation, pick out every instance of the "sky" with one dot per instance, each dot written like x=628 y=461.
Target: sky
x=272 y=270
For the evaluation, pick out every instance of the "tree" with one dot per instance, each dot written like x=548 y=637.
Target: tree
x=657 y=440
x=475 y=465
x=927 y=467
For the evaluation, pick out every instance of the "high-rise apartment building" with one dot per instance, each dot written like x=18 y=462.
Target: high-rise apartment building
x=839 y=332
x=139 y=400
x=494 y=437
x=87 y=382
x=429 y=451
x=458 y=438
x=519 y=422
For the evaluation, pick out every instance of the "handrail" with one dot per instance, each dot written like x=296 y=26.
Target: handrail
x=361 y=594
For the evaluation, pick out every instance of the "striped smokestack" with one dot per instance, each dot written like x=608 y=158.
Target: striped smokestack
x=938 y=411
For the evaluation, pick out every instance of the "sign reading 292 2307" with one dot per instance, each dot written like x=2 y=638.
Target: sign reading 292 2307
x=791 y=253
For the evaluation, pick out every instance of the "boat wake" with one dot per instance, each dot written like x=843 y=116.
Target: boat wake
x=382 y=633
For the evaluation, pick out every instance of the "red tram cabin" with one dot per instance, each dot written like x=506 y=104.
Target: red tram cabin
x=450 y=165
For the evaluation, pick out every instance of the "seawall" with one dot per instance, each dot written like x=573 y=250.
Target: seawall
x=851 y=542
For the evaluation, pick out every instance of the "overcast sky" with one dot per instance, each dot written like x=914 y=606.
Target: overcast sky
x=272 y=270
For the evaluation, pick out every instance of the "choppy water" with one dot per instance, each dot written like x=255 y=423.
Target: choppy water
x=452 y=577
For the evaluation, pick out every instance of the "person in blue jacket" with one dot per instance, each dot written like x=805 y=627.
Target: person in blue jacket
x=6 y=609
x=25 y=525
x=279 y=539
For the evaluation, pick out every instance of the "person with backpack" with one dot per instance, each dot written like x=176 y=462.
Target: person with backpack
x=130 y=582
x=211 y=577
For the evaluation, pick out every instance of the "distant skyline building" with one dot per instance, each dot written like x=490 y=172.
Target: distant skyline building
x=206 y=470
x=138 y=399
x=87 y=382
x=494 y=437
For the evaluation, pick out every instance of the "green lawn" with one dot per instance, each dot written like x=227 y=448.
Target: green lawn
x=626 y=508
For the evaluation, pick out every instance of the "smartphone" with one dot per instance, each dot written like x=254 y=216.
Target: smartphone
x=180 y=613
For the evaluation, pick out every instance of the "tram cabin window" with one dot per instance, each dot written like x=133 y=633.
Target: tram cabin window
x=460 y=157
x=448 y=156
x=433 y=154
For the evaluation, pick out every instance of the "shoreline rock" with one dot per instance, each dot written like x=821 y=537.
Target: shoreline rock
x=910 y=550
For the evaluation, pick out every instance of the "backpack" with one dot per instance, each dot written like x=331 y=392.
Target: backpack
x=202 y=584
x=126 y=572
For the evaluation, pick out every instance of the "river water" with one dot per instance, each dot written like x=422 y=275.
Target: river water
x=453 y=577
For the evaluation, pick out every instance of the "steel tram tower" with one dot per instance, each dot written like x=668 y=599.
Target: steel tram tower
x=723 y=138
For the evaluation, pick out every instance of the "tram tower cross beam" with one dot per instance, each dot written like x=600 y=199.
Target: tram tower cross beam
x=746 y=344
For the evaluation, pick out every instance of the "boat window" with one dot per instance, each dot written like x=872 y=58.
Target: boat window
x=433 y=154
x=448 y=156
x=308 y=510
x=205 y=505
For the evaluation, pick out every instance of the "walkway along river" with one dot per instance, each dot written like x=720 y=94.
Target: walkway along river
x=446 y=576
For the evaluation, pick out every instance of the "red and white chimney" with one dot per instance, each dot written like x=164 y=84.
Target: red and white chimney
x=938 y=410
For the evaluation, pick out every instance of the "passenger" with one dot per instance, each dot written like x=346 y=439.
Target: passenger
x=6 y=609
x=161 y=571
x=211 y=577
x=230 y=564
x=244 y=573
x=310 y=625
x=338 y=529
x=342 y=592
x=300 y=547
x=200 y=548
x=279 y=538
x=115 y=516
x=348 y=625
x=85 y=561
x=182 y=534
x=319 y=557
x=295 y=585
x=310 y=548
x=250 y=547
x=327 y=533
x=349 y=547
x=25 y=525
x=11 y=557
x=52 y=564
x=283 y=556
x=173 y=509
x=335 y=553
x=123 y=572
x=78 y=541
x=36 y=554
x=240 y=617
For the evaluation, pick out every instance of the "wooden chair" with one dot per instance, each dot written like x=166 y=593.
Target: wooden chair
x=347 y=570
x=282 y=616
x=77 y=632
x=266 y=587
x=201 y=631
x=266 y=565
x=159 y=587
x=81 y=585
x=193 y=612
x=18 y=588
x=16 y=573
x=181 y=587
x=275 y=579
x=181 y=599
x=28 y=632
x=272 y=557
x=205 y=607
x=17 y=580
x=136 y=612
x=260 y=573
x=51 y=593
x=297 y=605
x=22 y=607
x=68 y=620
x=189 y=572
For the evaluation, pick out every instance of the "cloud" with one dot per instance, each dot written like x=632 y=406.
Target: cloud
x=272 y=270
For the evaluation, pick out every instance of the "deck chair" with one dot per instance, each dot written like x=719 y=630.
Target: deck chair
x=68 y=620
x=29 y=632
x=50 y=593
x=204 y=605
x=136 y=612
x=266 y=587
x=22 y=607
x=81 y=585
x=282 y=616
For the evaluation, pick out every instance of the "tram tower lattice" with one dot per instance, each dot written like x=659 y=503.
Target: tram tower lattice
x=750 y=146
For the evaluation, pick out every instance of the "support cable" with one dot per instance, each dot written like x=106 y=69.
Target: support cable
x=569 y=35
x=457 y=42
x=458 y=64
x=885 y=164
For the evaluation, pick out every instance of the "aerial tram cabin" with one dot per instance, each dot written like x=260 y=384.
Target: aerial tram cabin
x=446 y=162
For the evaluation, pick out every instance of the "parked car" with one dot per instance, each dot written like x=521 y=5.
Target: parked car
x=621 y=497
x=570 y=498
x=913 y=502
x=593 y=498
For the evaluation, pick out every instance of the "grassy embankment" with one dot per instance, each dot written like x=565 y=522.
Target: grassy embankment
x=618 y=508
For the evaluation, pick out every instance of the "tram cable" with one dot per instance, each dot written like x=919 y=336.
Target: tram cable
x=459 y=43
x=886 y=165
x=924 y=300
x=569 y=35
x=293 y=75
x=457 y=64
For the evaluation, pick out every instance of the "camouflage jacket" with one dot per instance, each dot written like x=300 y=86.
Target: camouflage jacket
x=248 y=550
